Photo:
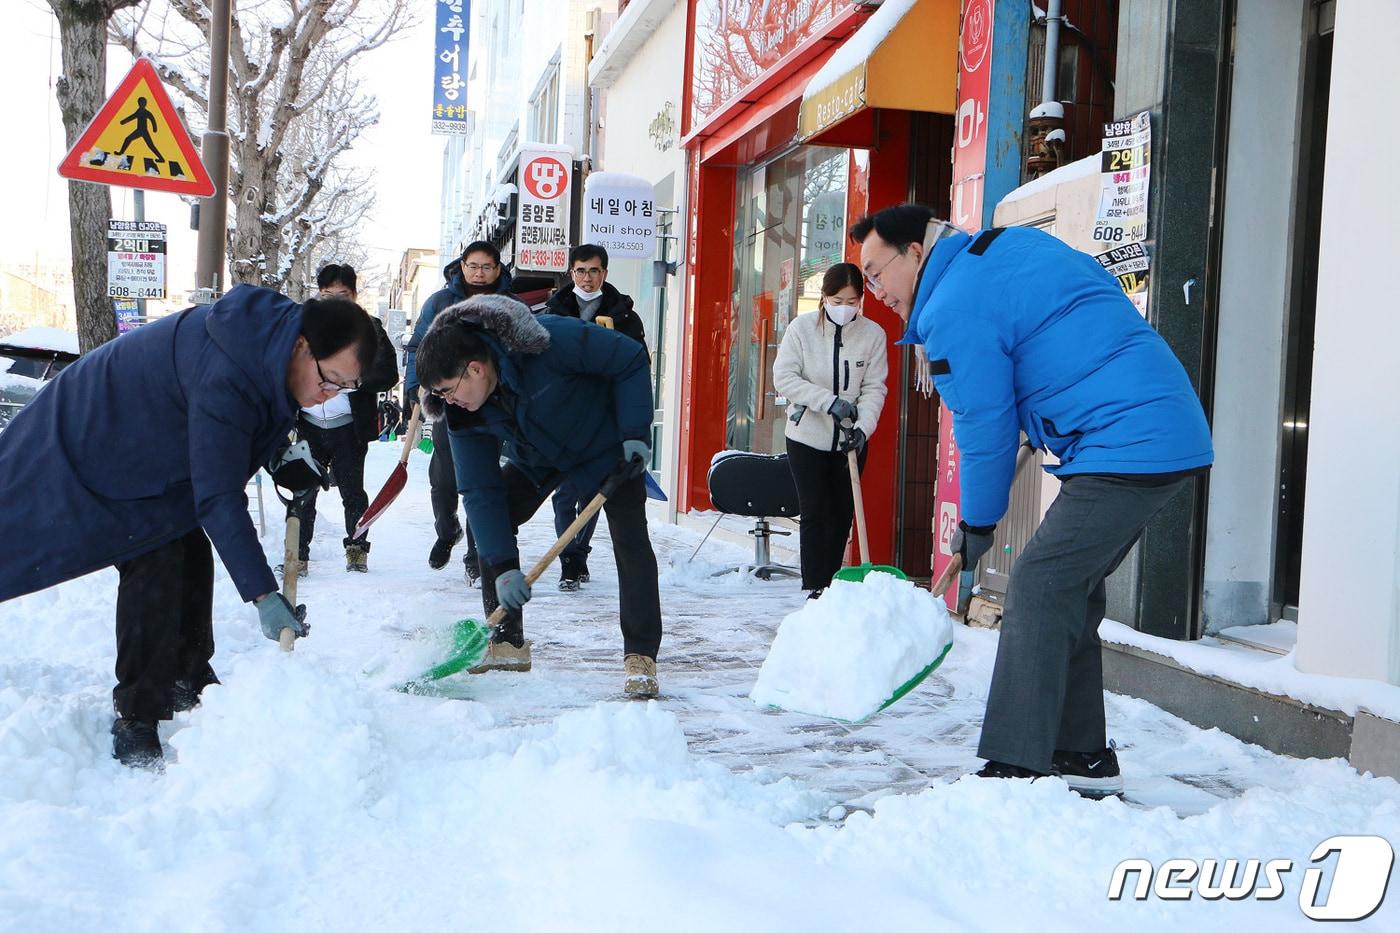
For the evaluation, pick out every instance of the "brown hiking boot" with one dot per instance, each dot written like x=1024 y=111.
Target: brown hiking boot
x=503 y=656
x=356 y=558
x=640 y=672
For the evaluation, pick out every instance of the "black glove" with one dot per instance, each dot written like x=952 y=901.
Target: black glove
x=293 y=467
x=842 y=410
x=852 y=439
x=971 y=542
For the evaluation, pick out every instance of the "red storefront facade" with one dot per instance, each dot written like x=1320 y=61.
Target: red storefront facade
x=774 y=183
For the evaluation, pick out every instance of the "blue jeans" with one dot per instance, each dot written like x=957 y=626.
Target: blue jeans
x=567 y=505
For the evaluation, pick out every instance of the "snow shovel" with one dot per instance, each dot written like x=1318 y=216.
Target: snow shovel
x=470 y=637
x=291 y=569
x=396 y=481
x=859 y=572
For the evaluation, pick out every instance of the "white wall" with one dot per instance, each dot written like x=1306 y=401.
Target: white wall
x=1258 y=236
x=1349 y=609
x=649 y=81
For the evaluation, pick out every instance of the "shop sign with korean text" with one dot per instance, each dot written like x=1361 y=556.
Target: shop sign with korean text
x=1127 y=164
x=619 y=214
x=450 y=114
x=1130 y=265
x=135 y=259
x=542 y=229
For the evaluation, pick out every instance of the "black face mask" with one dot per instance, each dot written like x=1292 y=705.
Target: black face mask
x=471 y=289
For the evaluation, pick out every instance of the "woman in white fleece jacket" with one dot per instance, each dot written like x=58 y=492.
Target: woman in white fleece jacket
x=832 y=367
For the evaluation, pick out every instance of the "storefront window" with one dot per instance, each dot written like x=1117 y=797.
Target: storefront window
x=735 y=43
x=791 y=221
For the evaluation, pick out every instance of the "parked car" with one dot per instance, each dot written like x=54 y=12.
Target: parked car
x=28 y=359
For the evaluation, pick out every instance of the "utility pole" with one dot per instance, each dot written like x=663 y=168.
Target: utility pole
x=138 y=204
x=213 y=211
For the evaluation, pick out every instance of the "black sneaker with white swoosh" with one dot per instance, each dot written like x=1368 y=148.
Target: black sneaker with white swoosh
x=1090 y=774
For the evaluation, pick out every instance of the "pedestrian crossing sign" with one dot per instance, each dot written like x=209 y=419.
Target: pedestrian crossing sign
x=137 y=140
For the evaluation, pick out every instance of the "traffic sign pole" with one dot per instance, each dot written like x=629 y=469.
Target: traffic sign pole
x=213 y=210
x=138 y=203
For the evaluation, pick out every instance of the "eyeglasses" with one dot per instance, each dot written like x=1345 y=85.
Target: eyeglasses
x=588 y=273
x=872 y=279
x=444 y=393
x=329 y=386
x=479 y=266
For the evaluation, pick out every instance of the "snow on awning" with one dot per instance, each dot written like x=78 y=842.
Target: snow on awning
x=904 y=57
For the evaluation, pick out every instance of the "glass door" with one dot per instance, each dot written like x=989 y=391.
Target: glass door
x=791 y=221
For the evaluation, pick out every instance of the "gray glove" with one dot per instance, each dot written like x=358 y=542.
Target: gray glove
x=842 y=410
x=275 y=614
x=512 y=590
x=636 y=455
x=971 y=542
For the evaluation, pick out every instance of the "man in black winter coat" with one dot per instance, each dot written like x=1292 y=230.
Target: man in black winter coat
x=339 y=429
x=589 y=298
x=478 y=271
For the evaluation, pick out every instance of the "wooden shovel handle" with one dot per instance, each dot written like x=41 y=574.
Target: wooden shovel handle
x=949 y=574
x=859 y=503
x=411 y=435
x=543 y=564
x=291 y=568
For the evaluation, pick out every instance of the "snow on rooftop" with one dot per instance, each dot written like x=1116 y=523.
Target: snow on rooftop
x=1089 y=165
x=43 y=338
x=860 y=46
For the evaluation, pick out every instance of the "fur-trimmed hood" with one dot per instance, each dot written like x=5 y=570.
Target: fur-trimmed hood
x=507 y=323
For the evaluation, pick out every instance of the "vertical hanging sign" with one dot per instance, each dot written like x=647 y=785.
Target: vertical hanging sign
x=969 y=174
x=542 y=230
x=450 y=114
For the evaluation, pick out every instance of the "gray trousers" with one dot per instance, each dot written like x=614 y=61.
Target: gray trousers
x=1047 y=685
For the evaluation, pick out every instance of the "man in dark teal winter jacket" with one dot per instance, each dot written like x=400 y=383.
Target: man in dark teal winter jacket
x=137 y=457
x=560 y=399
x=1026 y=334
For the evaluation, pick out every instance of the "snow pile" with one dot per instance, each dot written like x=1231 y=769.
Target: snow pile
x=845 y=654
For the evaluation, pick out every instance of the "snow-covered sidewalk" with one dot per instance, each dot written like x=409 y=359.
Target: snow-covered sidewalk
x=306 y=793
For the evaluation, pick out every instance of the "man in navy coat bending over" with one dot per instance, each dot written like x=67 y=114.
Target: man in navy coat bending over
x=1025 y=333
x=137 y=457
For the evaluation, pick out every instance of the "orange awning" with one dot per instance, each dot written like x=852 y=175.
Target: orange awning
x=904 y=57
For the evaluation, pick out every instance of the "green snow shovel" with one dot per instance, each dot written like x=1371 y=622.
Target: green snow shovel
x=865 y=567
x=470 y=637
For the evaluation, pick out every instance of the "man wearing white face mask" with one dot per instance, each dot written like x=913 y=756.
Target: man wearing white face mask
x=589 y=298
x=832 y=366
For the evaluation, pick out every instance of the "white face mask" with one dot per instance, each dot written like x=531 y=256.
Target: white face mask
x=840 y=315
x=587 y=295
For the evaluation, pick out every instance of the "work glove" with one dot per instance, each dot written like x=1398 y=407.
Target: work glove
x=852 y=439
x=275 y=614
x=294 y=468
x=971 y=542
x=842 y=410
x=636 y=455
x=512 y=590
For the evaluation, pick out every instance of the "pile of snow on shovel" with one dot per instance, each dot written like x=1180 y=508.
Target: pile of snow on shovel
x=843 y=655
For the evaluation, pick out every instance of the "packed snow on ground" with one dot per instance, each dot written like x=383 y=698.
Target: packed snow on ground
x=306 y=793
x=845 y=654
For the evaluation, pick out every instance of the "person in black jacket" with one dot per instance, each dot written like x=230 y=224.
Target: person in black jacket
x=589 y=298
x=340 y=428
x=478 y=271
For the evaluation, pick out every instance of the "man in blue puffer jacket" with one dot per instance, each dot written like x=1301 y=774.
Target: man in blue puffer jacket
x=562 y=400
x=1024 y=333
x=137 y=456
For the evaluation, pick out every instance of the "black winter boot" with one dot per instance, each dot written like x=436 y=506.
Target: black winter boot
x=442 y=550
x=569 y=574
x=136 y=744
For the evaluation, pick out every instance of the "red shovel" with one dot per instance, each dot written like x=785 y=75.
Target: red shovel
x=396 y=481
